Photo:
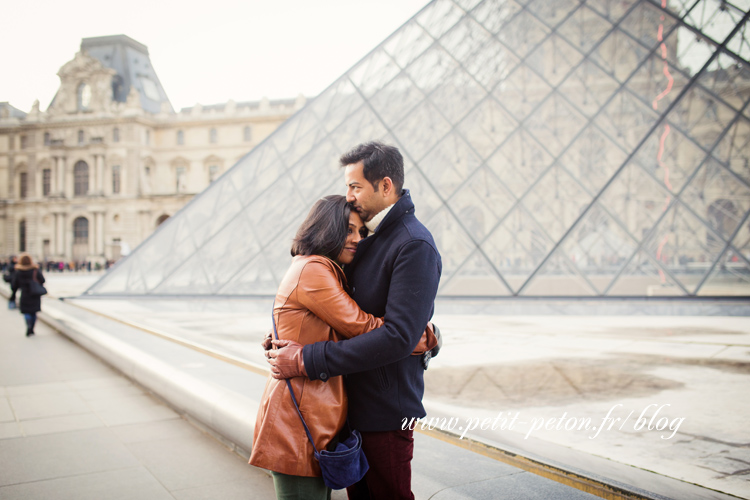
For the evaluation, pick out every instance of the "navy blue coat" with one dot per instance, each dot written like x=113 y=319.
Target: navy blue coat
x=395 y=275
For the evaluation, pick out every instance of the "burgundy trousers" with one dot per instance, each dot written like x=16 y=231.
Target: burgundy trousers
x=389 y=454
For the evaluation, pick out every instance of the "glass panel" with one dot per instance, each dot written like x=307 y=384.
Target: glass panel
x=552 y=13
x=457 y=95
x=657 y=83
x=719 y=198
x=588 y=88
x=556 y=201
x=612 y=10
x=423 y=127
x=481 y=202
x=733 y=150
x=684 y=246
x=450 y=164
x=322 y=162
x=332 y=111
x=475 y=277
x=426 y=201
x=519 y=162
x=636 y=200
x=669 y=157
x=731 y=276
x=619 y=55
x=255 y=173
x=626 y=120
x=494 y=14
x=554 y=59
x=521 y=92
x=643 y=277
x=555 y=124
x=407 y=43
x=740 y=43
x=363 y=123
x=189 y=279
x=523 y=34
x=598 y=246
x=487 y=126
x=592 y=159
x=584 y=29
x=397 y=99
x=692 y=51
x=439 y=18
x=648 y=24
x=726 y=78
x=714 y=18
x=431 y=69
x=517 y=247
x=371 y=74
x=558 y=278
x=254 y=279
x=453 y=242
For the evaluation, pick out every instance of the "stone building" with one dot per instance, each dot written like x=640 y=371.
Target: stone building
x=110 y=160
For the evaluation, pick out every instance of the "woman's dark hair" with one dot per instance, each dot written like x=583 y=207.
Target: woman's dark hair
x=325 y=229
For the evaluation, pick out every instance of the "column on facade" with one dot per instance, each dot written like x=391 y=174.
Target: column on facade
x=99 y=233
x=99 y=160
x=59 y=244
x=61 y=176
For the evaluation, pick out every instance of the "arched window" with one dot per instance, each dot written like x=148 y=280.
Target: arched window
x=80 y=238
x=247 y=134
x=116 y=179
x=23 y=185
x=80 y=137
x=212 y=135
x=180 y=137
x=81 y=178
x=22 y=236
x=116 y=135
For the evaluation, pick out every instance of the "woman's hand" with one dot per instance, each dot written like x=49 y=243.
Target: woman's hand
x=286 y=360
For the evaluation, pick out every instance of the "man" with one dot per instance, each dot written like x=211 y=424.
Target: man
x=395 y=275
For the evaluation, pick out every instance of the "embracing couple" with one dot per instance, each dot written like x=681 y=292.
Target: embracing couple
x=356 y=301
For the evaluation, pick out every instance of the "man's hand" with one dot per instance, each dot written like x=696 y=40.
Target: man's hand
x=266 y=343
x=286 y=361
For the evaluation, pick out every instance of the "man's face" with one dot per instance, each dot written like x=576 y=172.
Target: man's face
x=361 y=194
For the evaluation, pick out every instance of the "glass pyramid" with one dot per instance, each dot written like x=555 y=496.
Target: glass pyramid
x=553 y=148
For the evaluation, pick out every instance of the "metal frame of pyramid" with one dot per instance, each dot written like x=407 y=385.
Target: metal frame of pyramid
x=553 y=147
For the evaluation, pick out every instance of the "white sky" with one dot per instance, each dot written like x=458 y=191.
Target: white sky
x=207 y=52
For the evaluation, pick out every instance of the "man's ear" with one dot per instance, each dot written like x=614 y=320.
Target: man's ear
x=387 y=185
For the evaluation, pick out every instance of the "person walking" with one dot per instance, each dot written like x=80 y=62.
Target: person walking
x=8 y=277
x=394 y=275
x=28 y=271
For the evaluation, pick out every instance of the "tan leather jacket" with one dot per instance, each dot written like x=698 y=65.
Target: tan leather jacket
x=311 y=305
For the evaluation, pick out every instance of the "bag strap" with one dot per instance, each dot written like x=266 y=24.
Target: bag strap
x=291 y=391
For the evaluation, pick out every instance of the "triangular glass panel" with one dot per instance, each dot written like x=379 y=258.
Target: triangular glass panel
x=487 y=126
x=481 y=202
x=519 y=162
x=459 y=94
x=730 y=276
x=407 y=43
x=431 y=69
x=553 y=13
x=426 y=201
x=439 y=18
x=719 y=198
x=642 y=277
x=670 y=157
x=396 y=99
x=495 y=14
x=451 y=163
x=692 y=52
x=517 y=246
x=522 y=92
x=254 y=174
x=619 y=55
x=657 y=83
x=683 y=244
x=703 y=117
x=555 y=124
x=733 y=149
x=584 y=28
x=188 y=279
x=558 y=278
x=636 y=200
x=727 y=77
x=589 y=88
x=593 y=159
x=647 y=23
x=374 y=72
x=712 y=19
x=345 y=100
x=626 y=120
x=524 y=34
x=556 y=201
x=450 y=237
x=253 y=279
x=566 y=57
x=425 y=127
x=362 y=123
x=598 y=246
x=739 y=43
x=475 y=277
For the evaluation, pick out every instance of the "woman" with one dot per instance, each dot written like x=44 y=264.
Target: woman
x=312 y=305
x=26 y=271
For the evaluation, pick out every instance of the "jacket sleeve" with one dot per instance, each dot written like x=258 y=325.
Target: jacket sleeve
x=40 y=277
x=321 y=292
x=411 y=296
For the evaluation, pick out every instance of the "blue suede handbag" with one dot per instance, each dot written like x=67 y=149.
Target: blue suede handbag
x=345 y=465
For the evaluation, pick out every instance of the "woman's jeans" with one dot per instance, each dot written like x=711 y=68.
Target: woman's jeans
x=30 y=321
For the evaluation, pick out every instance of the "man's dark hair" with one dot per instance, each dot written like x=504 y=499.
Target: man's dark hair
x=379 y=160
x=325 y=229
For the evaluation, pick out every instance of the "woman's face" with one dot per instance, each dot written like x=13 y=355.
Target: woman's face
x=353 y=236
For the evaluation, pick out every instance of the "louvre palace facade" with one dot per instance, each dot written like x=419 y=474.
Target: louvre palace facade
x=109 y=160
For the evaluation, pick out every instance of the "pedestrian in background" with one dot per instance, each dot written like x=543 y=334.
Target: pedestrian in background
x=30 y=304
x=8 y=277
